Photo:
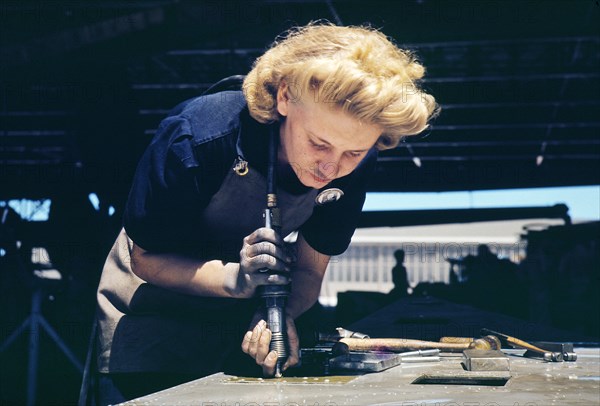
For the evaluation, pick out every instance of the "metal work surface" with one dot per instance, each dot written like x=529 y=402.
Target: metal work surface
x=532 y=382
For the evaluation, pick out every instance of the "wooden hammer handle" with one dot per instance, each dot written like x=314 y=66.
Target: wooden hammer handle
x=524 y=344
x=399 y=345
x=514 y=341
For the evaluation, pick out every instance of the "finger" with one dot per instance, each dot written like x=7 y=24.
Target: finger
x=258 y=316
x=294 y=345
x=268 y=366
x=265 y=247
x=263 y=347
x=264 y=234
x=246 y=342
x=255 y=338
x=265 y=261
x=260 y=266
x=293 y=357
x=259 y=279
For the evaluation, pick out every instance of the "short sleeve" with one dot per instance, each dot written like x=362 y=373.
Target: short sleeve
x=173 y=183
x=331 y=226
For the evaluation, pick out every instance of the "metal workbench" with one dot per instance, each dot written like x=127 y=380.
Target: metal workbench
x=530 y=382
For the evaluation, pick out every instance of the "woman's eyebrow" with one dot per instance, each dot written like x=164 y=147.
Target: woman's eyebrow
x=317 y=138
x=313 y=135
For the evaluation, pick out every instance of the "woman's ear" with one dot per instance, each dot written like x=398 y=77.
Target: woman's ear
x=283 y=99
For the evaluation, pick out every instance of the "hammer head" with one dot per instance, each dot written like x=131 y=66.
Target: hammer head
x=486 y=343
x=494 y=341
x=553 y=357
x=340 y=332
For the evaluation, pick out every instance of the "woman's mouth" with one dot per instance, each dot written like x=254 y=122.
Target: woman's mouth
x=319 y=179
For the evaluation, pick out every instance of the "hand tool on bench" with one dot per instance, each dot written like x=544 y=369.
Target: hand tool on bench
x=518 y=343
x=420 y=353
x=566 y=349
x=418 y=356
x=457 y=340
x=340 y=332
x=493 y=340
x=378 y=361
x=344 y=345
x=324 y=357
x=364 y=361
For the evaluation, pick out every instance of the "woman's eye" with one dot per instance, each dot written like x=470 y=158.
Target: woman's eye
x=355 y=154
x=320 y=147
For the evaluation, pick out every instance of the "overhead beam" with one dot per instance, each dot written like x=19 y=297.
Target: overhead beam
x=400 y=218
x=492 y=157
x=75 y=38
x=524 y=143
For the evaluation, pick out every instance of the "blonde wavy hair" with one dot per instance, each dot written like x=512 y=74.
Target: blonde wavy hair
x=357 y=69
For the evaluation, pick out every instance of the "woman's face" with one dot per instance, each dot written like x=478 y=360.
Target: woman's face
x=319 y=141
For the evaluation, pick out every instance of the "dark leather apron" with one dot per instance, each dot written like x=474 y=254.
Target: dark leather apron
x=145 y=328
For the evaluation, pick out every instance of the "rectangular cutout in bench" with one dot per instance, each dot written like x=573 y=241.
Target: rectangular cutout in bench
x=462 y=379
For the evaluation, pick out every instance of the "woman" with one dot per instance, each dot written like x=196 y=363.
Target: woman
x=178 y=289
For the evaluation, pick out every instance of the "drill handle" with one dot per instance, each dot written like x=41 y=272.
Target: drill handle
x=273 y=219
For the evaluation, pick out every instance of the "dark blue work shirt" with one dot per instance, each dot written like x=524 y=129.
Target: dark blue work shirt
x=188 y=160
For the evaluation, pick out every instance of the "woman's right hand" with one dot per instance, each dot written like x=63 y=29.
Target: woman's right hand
x=264 y=260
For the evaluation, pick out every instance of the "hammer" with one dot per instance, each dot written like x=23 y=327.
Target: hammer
x=515 y=342
x=344 y=345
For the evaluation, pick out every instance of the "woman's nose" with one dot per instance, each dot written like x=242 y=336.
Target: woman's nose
x=329 y=168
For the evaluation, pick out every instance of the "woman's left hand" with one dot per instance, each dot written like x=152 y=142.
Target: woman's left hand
x=256 y=344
